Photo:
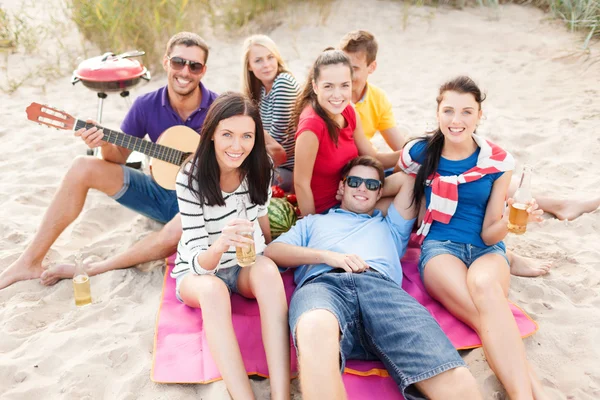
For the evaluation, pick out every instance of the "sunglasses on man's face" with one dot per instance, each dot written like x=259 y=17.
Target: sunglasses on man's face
x=355 y=181
x=178 y=63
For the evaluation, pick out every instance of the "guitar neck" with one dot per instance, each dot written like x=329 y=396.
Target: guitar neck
x=146 y=147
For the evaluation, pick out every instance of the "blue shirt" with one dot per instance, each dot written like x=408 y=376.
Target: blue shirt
x=152 y=114
x=467 y=222
x=380 y=241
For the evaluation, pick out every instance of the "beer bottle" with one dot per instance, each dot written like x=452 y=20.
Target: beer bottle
x=518 y=216
x=246 y=255
x=81 y=283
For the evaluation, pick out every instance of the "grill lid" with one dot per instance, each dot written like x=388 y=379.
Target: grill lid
x=110 y=68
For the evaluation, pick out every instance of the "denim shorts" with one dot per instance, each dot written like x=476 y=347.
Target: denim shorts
x=228 y=275
x=142 y=194
x=467 y=253
x=379 y=321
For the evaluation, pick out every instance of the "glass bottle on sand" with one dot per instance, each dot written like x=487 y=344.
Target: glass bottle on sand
x=246 y=255
x=81 y=283
x=518 y=216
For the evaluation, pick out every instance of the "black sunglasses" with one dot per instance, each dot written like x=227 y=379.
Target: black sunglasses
x=178 y=63
x=355 y=181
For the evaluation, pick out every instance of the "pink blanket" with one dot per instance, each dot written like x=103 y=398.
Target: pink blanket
x=181 y=352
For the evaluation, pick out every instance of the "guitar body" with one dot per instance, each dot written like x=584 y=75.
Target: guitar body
x=178 y=137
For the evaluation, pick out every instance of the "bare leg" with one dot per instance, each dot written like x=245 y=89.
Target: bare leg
x=457 y=383
x=210 y=293
x=263 y=282
x=318 y=339
x=568 y=209
x=527 y=266
x=478 y=297
x=561 y=208
x=155 y=246
x=488 y=281
x=85 y=173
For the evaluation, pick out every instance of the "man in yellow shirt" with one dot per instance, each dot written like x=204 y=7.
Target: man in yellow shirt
x=371 y=103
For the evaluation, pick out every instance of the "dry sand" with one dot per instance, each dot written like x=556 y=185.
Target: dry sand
x=543 y=106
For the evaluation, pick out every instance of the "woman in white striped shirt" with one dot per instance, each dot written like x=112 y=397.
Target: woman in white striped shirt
x=267 y=81
x=231 y=165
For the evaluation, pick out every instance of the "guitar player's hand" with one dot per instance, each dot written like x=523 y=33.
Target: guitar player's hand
x=92 y=137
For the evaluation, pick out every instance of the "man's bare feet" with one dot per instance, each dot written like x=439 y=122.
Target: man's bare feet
x=55 y=273
x=20 y=270
x=528 y=267
x=571 y=209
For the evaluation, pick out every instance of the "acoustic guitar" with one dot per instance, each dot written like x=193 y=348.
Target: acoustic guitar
x=173 y=148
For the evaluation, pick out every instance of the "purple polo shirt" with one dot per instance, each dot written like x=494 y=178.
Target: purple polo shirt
x=152 y=114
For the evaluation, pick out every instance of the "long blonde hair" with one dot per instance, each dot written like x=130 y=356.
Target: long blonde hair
x=251 y=85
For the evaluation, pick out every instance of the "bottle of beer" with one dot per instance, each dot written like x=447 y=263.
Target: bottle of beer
x=81 y=283
x=246 y=255
x=518 y=216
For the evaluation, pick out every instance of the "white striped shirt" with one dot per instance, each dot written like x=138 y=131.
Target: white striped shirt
x=276 y=110
x=202 y=225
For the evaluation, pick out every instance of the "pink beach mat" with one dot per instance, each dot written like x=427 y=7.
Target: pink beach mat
x=181 y=353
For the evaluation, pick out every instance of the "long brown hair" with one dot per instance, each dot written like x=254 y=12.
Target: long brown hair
x=435 y=142
x=308 y=95
x=205 y=174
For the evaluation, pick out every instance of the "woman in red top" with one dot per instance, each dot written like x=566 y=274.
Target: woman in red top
x=329 y=134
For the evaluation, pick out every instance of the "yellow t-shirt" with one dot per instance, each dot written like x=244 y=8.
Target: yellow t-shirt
x=375 y=111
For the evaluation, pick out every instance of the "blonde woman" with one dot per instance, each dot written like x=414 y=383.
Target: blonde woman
x=267 y=81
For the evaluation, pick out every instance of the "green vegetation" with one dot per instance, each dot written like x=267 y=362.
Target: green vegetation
x=578 y=14
x=121 y=25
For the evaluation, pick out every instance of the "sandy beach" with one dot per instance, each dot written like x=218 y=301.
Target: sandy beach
x=543 y=106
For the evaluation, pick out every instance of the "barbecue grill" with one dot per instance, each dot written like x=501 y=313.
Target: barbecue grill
x=111 y=73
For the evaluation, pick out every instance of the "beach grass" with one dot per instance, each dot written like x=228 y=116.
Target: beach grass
x=121 y=25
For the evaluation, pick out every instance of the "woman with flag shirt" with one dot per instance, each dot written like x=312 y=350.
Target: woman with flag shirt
x=464 y=180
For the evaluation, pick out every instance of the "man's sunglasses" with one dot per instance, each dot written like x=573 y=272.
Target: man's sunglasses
x=178 y=63
x=355 y=181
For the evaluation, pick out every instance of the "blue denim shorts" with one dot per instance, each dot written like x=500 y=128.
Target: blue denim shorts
x=228 y=275
x=142 y=194
x=467 y=253
x=379 y=321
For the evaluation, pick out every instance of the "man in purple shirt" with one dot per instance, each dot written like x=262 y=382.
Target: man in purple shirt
x=184 y=101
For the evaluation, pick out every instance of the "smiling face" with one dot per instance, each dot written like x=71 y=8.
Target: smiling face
x=233 y=141
x=184 y=82
x=333 y=88
x=263 y=64
x=360 y=70
x=360 y=199
x=458 y=115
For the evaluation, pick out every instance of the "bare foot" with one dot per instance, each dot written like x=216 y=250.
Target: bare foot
x=571 y=209
x=20 y=270
x=55 y=273
x=528 y=267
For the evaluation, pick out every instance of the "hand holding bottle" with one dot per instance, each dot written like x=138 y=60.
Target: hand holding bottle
x=233 y=235
x=522 y=207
